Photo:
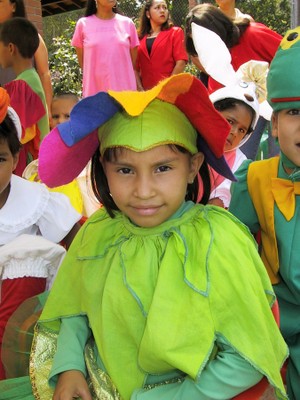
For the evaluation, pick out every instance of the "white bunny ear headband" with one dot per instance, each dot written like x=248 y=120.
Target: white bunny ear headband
x=248 y=84
x=16 y=120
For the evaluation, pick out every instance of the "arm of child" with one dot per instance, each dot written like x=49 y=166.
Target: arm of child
x=222 y=378
x=73 y=336
x=67 y=240
x=241 y=205
x=221 y=196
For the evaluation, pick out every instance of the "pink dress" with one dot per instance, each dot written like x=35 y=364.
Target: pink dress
x=106 y=44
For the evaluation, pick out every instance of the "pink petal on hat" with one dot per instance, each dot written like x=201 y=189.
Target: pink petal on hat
x=55 y=154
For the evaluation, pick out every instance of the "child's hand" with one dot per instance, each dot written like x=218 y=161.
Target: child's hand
x=71 y=384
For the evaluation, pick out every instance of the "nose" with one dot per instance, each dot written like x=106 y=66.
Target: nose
x=144 y=187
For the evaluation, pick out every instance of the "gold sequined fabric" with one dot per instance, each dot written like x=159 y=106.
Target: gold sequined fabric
x=43 y=349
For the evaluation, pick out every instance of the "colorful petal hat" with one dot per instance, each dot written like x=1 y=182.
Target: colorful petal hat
x=66 y=150
x=283 y=83
x=6 y=109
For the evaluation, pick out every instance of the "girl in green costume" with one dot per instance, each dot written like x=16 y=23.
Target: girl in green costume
x=158 y=297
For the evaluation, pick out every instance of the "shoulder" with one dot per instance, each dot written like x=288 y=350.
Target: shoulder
x=124 y=19
x=26 y=203
x=257 y=28
x=102 y=229
x=85 y=20
x=262 y=168
x=221 y=220
x=176 y=29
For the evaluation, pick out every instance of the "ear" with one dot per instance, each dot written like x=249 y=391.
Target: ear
x=196 y=162
x=274 y=124
x=147 y=14
x=11 y=48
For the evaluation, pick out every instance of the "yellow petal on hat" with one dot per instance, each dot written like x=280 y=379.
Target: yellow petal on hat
x=135 y=103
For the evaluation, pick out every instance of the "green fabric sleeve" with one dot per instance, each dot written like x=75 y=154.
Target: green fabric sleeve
x=71 y=342
x=241 y=204
x=222 y=378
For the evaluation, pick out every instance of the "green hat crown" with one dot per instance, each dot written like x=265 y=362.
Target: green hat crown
x=283 y=81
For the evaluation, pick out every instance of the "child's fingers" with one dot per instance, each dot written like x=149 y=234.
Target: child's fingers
x=70 y=385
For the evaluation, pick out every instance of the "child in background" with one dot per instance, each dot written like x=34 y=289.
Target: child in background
x=242 y=115
x=161 y=52
x=26 y=209
x=61 y=107
x=241 y=105
x=79 y=190
x=266 y=198
x=120 y=282
x=18 y=42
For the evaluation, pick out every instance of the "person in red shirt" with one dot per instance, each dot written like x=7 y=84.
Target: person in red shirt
x=245 y=40
x=161 y=52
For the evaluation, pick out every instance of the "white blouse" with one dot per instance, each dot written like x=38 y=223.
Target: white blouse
x=32 y=209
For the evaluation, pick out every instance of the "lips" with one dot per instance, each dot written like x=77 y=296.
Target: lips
x=146 y=210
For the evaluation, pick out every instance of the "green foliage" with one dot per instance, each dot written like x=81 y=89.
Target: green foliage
x=276 y=14
x=65 y=72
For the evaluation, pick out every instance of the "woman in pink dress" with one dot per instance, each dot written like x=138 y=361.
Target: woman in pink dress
x=106 y=44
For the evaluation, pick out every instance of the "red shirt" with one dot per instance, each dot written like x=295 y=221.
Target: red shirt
x=167 y=49
x=258 y=42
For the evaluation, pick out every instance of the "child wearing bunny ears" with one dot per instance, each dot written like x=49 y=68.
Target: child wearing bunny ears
x=240 y=106
x=27 y=211
x=266 y=198
x=143 y=314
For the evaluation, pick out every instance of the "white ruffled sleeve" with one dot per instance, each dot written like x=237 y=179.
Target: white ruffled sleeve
x=30 y=255
x=58 y=218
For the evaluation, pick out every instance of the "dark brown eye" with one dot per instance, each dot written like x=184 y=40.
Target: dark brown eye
x=292 y=36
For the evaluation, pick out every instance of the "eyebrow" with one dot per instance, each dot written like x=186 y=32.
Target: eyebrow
x=156 y=164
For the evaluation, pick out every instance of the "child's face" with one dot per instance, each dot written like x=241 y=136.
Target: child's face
x=151 y=185
x=286 y=127
x=240 y=119
x=60 y=111
x=8 y=163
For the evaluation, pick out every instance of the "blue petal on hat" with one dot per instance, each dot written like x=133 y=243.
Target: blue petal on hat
x=220 y=164
x=88 y=115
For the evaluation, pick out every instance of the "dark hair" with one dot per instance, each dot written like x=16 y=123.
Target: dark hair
x=101 y=189
x=22 y=33
x=145 y=24
x=229 y=103
x=91 y=8
x=9 y=134
x=20 y=10
x=210 y=17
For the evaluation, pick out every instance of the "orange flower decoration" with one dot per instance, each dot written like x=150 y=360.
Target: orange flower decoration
x=4 y=103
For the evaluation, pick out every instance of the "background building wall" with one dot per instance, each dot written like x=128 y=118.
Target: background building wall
x=34 y=13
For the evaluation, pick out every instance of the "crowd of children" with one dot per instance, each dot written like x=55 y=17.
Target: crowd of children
x=141 y=221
